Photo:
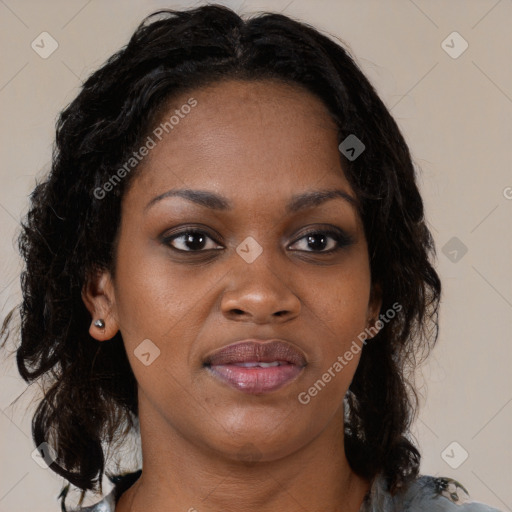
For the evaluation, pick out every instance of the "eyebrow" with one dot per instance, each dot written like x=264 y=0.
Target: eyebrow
x=216 y=202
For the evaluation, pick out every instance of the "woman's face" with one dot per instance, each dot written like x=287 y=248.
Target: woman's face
x=266 y=262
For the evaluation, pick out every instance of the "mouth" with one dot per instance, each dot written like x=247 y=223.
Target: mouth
x=256 y=367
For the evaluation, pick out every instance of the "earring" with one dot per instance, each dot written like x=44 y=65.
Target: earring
x=99 y=323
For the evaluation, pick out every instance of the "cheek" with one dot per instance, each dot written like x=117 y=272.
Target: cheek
x=341 y=303
x=151 y=297
x=344 y=317
x=341 y=311
x=161 y=309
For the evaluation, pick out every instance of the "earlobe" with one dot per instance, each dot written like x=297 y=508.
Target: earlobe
x=99 y=298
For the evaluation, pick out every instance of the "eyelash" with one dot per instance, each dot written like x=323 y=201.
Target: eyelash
x=342 y=240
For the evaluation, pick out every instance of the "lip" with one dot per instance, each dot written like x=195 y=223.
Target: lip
x=231 y=365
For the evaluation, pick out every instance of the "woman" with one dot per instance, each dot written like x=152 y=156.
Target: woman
x=229 y=256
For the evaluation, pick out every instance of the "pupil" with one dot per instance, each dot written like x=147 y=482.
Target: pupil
x=312 y=244
x=190 y=241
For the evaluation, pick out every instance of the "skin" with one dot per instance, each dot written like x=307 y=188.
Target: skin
x=205 y=445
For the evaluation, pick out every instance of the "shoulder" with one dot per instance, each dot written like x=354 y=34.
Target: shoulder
x=424 y=494
x=442 y=493
x=108 y=503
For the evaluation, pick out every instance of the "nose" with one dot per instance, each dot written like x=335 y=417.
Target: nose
x=256 y=293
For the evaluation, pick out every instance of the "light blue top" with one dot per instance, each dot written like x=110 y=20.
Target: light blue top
x=425 y=494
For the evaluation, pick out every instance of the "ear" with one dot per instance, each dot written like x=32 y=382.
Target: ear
x=374 y=305
x=99 y=298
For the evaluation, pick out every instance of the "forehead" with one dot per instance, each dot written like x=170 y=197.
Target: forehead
x=229 y=99
x=255 y=136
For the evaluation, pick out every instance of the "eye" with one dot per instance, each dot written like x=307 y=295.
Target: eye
x=323 y=241
x=191 y=240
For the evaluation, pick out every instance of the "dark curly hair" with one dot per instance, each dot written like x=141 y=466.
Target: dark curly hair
x=90 y=399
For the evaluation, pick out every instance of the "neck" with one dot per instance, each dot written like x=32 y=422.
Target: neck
x=180 y=476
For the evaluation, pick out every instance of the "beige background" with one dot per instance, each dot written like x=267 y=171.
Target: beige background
x=456 y=115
